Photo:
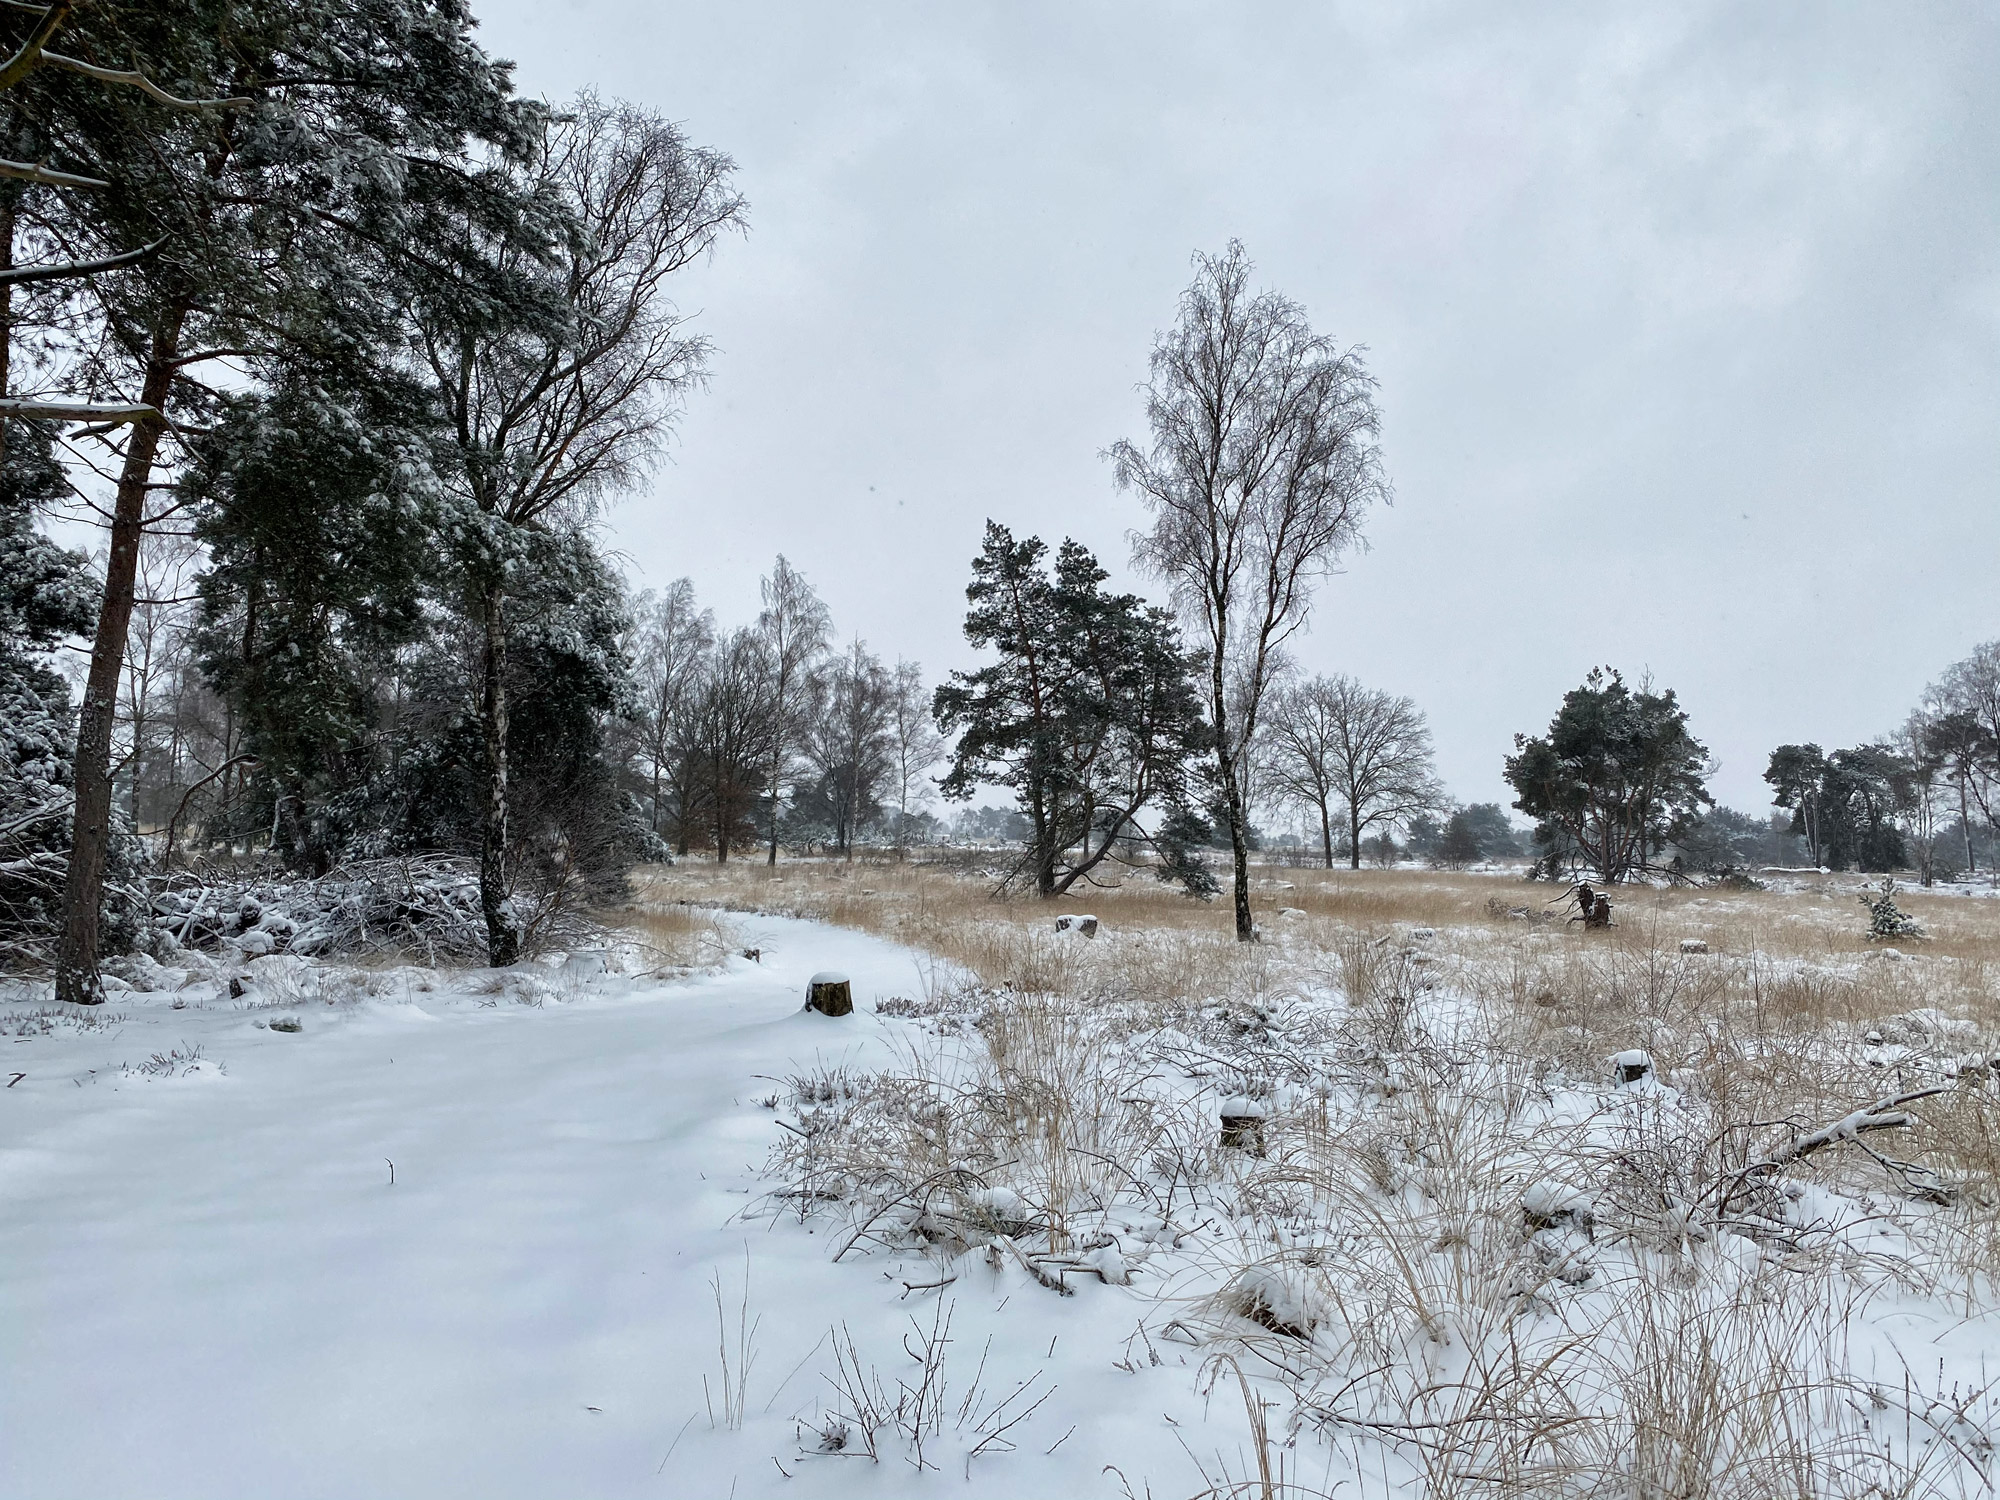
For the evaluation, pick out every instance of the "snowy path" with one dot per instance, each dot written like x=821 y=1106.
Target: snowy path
x=208 y=1286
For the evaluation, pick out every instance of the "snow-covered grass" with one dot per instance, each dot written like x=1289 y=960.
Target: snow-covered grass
x=627 y=1221
x=1458 y=1240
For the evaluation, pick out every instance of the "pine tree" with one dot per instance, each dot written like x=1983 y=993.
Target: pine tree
x=1090 y=714
x=1617 y=778
x=281 y=220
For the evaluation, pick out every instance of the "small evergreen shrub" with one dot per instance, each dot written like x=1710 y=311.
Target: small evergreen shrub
x=1885 y=919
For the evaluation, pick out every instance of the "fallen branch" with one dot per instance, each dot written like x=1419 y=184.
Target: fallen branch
x=1886 y=1113
x=1054 y=1283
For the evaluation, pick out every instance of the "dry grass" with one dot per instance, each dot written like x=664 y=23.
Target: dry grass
x=672 y=932
x=1393 y=1257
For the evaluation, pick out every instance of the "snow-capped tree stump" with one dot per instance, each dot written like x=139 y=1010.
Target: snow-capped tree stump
x=829 y=994
x=1242 y=1125
x=1086 y=925
x=1634 y=1066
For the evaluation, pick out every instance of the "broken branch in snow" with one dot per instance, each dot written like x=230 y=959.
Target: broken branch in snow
x=1886 y=1113
x=1054 y=1283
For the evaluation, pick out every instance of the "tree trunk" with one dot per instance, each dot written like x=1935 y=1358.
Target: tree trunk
x=1232 y=793
x=1045 y=856
x=1239 y=848
x=503 y=928
x=777 y=775
x=1326 y=833
x=853 y=808
x=10 y=199
x=77 y=979
x=1965 y=825
x=1354 y=835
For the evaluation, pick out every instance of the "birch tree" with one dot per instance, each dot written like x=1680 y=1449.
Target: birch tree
x=914 y=745
x=1262 y=464
x=673 y=643
x=558 y=391
x=796 y=629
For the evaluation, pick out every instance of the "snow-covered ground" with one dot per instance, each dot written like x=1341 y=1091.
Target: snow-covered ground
x=210 y=1285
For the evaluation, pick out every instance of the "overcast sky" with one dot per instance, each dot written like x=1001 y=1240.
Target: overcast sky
x=1687 y=321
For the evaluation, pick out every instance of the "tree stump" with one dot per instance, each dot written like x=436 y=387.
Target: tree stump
x=1594 y=908
x=1086 y=925
x=1634 y=1066
x=829 y=994
x=1242 y=1125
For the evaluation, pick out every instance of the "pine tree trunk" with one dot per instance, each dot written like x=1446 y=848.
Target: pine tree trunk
x=503 y=928
x=10 y=199
x=1045 y=856
x=77 y=979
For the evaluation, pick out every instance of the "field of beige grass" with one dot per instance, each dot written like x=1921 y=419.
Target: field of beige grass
x=1523 y=1207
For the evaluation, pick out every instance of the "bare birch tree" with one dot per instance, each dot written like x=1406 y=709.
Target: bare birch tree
x=850 y=740
x=914 y=744
x=796 y=628
x=1264 y=459
x=733 y=725
x=674 y=639
x=1353 y=752
x=554 y=409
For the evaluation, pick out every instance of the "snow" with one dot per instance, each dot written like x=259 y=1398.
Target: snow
x=210 y=1285
x=509 y=1233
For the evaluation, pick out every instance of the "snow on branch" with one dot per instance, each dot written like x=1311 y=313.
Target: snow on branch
x=132 y=78
x=64 y=270
x=1886 y=1113
x=114 y=412
x=47 y=176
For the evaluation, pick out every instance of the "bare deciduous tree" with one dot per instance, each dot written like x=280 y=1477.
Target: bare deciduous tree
x=551 y=412
x=733 y=726
x=1263 y=461
x=1353 y=752
x=850 y=739
x=796 y=628
x=670 y=651
x=914 y=744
